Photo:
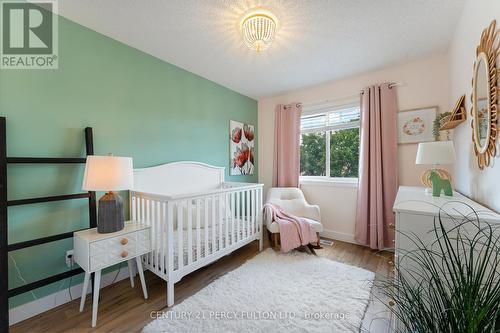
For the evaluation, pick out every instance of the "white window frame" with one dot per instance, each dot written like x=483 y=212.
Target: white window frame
x=327 y=109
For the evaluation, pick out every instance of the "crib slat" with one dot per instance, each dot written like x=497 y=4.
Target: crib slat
x=152 y=208
x=147 y=216
x=157 y=233
x=249 y=212
x=163 y=225
x=190 y=232
x=254 y=213
x=138 y=209
x=207 y=251
x=132 y=206
x=170 y=238
x=143 y=214
x=148 y=213
x=238 y=216
x=243 y=214
x=226 y=219
x=233 y=223
x=220 y=219
x=198 y=234
x=259 y=223
x=214 y=240
x=180 y=235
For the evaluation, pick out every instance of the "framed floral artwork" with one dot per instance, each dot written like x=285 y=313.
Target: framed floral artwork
x=416 y=125
x=241 y=148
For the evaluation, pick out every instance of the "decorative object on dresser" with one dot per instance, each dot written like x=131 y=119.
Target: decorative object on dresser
x=292 y=201
x=94 y=251
x=435 y=153
x=440 y=185
x=454 y=118
x=109 y=173
x=446 y=264
x=485 y=94
x=194 y=222
x=416 y=125
x=242 y=145
x=6 y=248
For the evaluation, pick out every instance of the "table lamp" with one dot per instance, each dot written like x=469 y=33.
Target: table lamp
x=109 y=173
x=435 y=153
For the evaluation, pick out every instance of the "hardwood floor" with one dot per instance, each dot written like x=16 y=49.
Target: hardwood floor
x=122 y=309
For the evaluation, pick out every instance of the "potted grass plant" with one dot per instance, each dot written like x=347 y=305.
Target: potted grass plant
x=450 y=284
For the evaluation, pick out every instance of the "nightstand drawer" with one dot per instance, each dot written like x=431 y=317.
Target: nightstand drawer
x=103 y=247
x=94 y=251
x=109 y=251
x=112 y=256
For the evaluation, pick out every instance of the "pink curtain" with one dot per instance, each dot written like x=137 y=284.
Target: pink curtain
x=378 y=182
x=286 y=166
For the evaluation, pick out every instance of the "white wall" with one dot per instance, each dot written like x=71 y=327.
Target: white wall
x=481 y=186
x=426 y=83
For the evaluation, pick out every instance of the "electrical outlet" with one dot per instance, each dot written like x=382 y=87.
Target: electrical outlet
x=69 y=258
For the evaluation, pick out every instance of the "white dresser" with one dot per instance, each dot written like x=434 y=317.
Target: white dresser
x=94 y=251
x=417 y=210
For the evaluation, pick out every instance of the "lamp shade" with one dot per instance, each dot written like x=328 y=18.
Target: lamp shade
x=437 y=152
x=108 y=173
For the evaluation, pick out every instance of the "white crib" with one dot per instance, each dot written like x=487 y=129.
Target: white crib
x=195 y=217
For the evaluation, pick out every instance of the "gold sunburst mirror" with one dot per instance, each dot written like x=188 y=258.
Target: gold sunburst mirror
x=484 y=98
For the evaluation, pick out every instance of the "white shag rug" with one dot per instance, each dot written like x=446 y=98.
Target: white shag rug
x=275 y=292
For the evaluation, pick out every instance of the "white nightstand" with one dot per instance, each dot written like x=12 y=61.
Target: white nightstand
x=94 y=252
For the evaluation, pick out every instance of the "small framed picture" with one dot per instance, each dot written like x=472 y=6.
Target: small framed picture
x=416 y=125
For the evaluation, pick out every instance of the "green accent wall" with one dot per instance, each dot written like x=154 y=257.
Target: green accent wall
x=137 y=105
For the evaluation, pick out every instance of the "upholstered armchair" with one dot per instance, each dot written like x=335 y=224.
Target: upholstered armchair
x=292 y=201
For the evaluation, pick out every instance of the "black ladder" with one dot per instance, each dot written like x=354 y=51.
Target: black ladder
x=5 y=247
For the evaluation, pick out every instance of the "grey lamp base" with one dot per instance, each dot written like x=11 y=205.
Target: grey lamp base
x=110 y=214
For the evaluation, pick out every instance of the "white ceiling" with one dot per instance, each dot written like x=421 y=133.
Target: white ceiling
x=317 y=40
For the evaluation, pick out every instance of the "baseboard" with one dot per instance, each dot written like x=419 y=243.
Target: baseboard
x=42 y=304
x=341 y=236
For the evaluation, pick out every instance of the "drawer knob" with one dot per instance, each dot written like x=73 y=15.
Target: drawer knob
x=124 y=254
x=392 y=226
x=124 y=241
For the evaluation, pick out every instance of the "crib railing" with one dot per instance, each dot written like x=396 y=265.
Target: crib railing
x=189 y=231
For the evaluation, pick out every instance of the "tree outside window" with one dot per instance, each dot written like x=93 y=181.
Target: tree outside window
x=329 y=145
x=344 y=153
x=313 y=154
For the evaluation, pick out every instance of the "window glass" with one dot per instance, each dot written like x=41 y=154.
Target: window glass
x=329 y=145
x=344 y=116
x=313 y=154
x=312 y=122
x=344 y=153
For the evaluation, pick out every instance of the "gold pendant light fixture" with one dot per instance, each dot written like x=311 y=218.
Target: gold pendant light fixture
x=258 y=29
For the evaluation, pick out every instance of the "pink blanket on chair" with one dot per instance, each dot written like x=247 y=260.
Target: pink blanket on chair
x=294 y=231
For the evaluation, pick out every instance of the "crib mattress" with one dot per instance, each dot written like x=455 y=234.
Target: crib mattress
x=215 y=241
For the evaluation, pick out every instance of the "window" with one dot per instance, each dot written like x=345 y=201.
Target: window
x=329 y=143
